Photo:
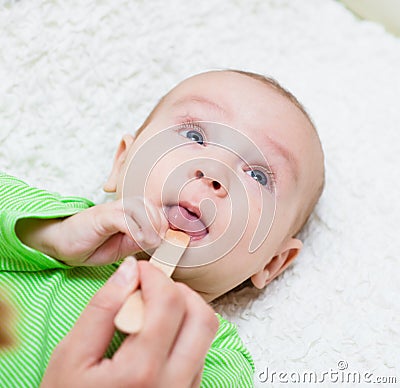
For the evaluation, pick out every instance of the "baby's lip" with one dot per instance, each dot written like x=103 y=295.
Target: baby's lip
x=186 y=217
x=192 y=208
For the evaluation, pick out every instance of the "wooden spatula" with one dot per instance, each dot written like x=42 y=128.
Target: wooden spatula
x=130 y=317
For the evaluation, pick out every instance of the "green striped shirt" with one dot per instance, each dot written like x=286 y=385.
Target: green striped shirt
x=49 y=296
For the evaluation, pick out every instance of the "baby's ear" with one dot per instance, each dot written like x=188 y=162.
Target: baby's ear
x=124 y=145
x=287 y=253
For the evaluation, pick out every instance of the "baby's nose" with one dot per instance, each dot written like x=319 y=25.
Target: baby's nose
x=219 y=189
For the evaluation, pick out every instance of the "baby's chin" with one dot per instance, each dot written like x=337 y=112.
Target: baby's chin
x=195 y=277
x=181 y=273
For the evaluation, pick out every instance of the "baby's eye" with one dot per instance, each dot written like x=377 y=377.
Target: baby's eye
x=193 y=132
x=259 y=176
x=195 y=136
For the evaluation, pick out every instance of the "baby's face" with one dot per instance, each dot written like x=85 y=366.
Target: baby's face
x=260 y=163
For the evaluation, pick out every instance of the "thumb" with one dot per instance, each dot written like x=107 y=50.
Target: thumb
x=94 y=329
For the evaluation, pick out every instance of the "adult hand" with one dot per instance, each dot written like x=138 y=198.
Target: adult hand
x=169 y=350
x=98 y=235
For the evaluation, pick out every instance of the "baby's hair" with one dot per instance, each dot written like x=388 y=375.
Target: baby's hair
x=304 y=213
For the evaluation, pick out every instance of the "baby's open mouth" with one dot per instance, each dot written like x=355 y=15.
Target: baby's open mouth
x=181 y=218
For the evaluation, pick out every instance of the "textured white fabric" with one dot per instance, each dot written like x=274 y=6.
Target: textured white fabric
x=76 y=75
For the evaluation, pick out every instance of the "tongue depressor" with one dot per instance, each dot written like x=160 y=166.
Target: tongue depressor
x=129 y=319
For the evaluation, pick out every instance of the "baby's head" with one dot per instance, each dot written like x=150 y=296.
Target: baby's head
x=278 y=126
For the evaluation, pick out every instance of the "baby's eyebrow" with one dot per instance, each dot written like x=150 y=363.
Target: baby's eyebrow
x=205 y=101
x=286 y=154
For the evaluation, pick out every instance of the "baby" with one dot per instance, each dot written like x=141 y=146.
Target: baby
x=276 y=123
x=222 y=135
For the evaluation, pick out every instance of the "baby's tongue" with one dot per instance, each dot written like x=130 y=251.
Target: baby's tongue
x=180 y=218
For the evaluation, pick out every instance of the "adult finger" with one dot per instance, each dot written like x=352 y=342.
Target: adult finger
x=197 y=380
x=114 y=249
x=93 y=331
x=190 y=350
x=164 y=309
x=147 y=218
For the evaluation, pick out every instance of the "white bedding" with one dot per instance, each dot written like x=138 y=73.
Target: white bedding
x=76 y=75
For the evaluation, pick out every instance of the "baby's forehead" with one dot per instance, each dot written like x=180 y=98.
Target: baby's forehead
x=238 y=95
x=262 y=111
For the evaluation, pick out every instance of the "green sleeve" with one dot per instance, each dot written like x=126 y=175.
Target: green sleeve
x=19 y=200
x=228 y=363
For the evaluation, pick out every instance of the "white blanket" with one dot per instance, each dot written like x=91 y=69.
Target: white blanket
x=75 y=75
